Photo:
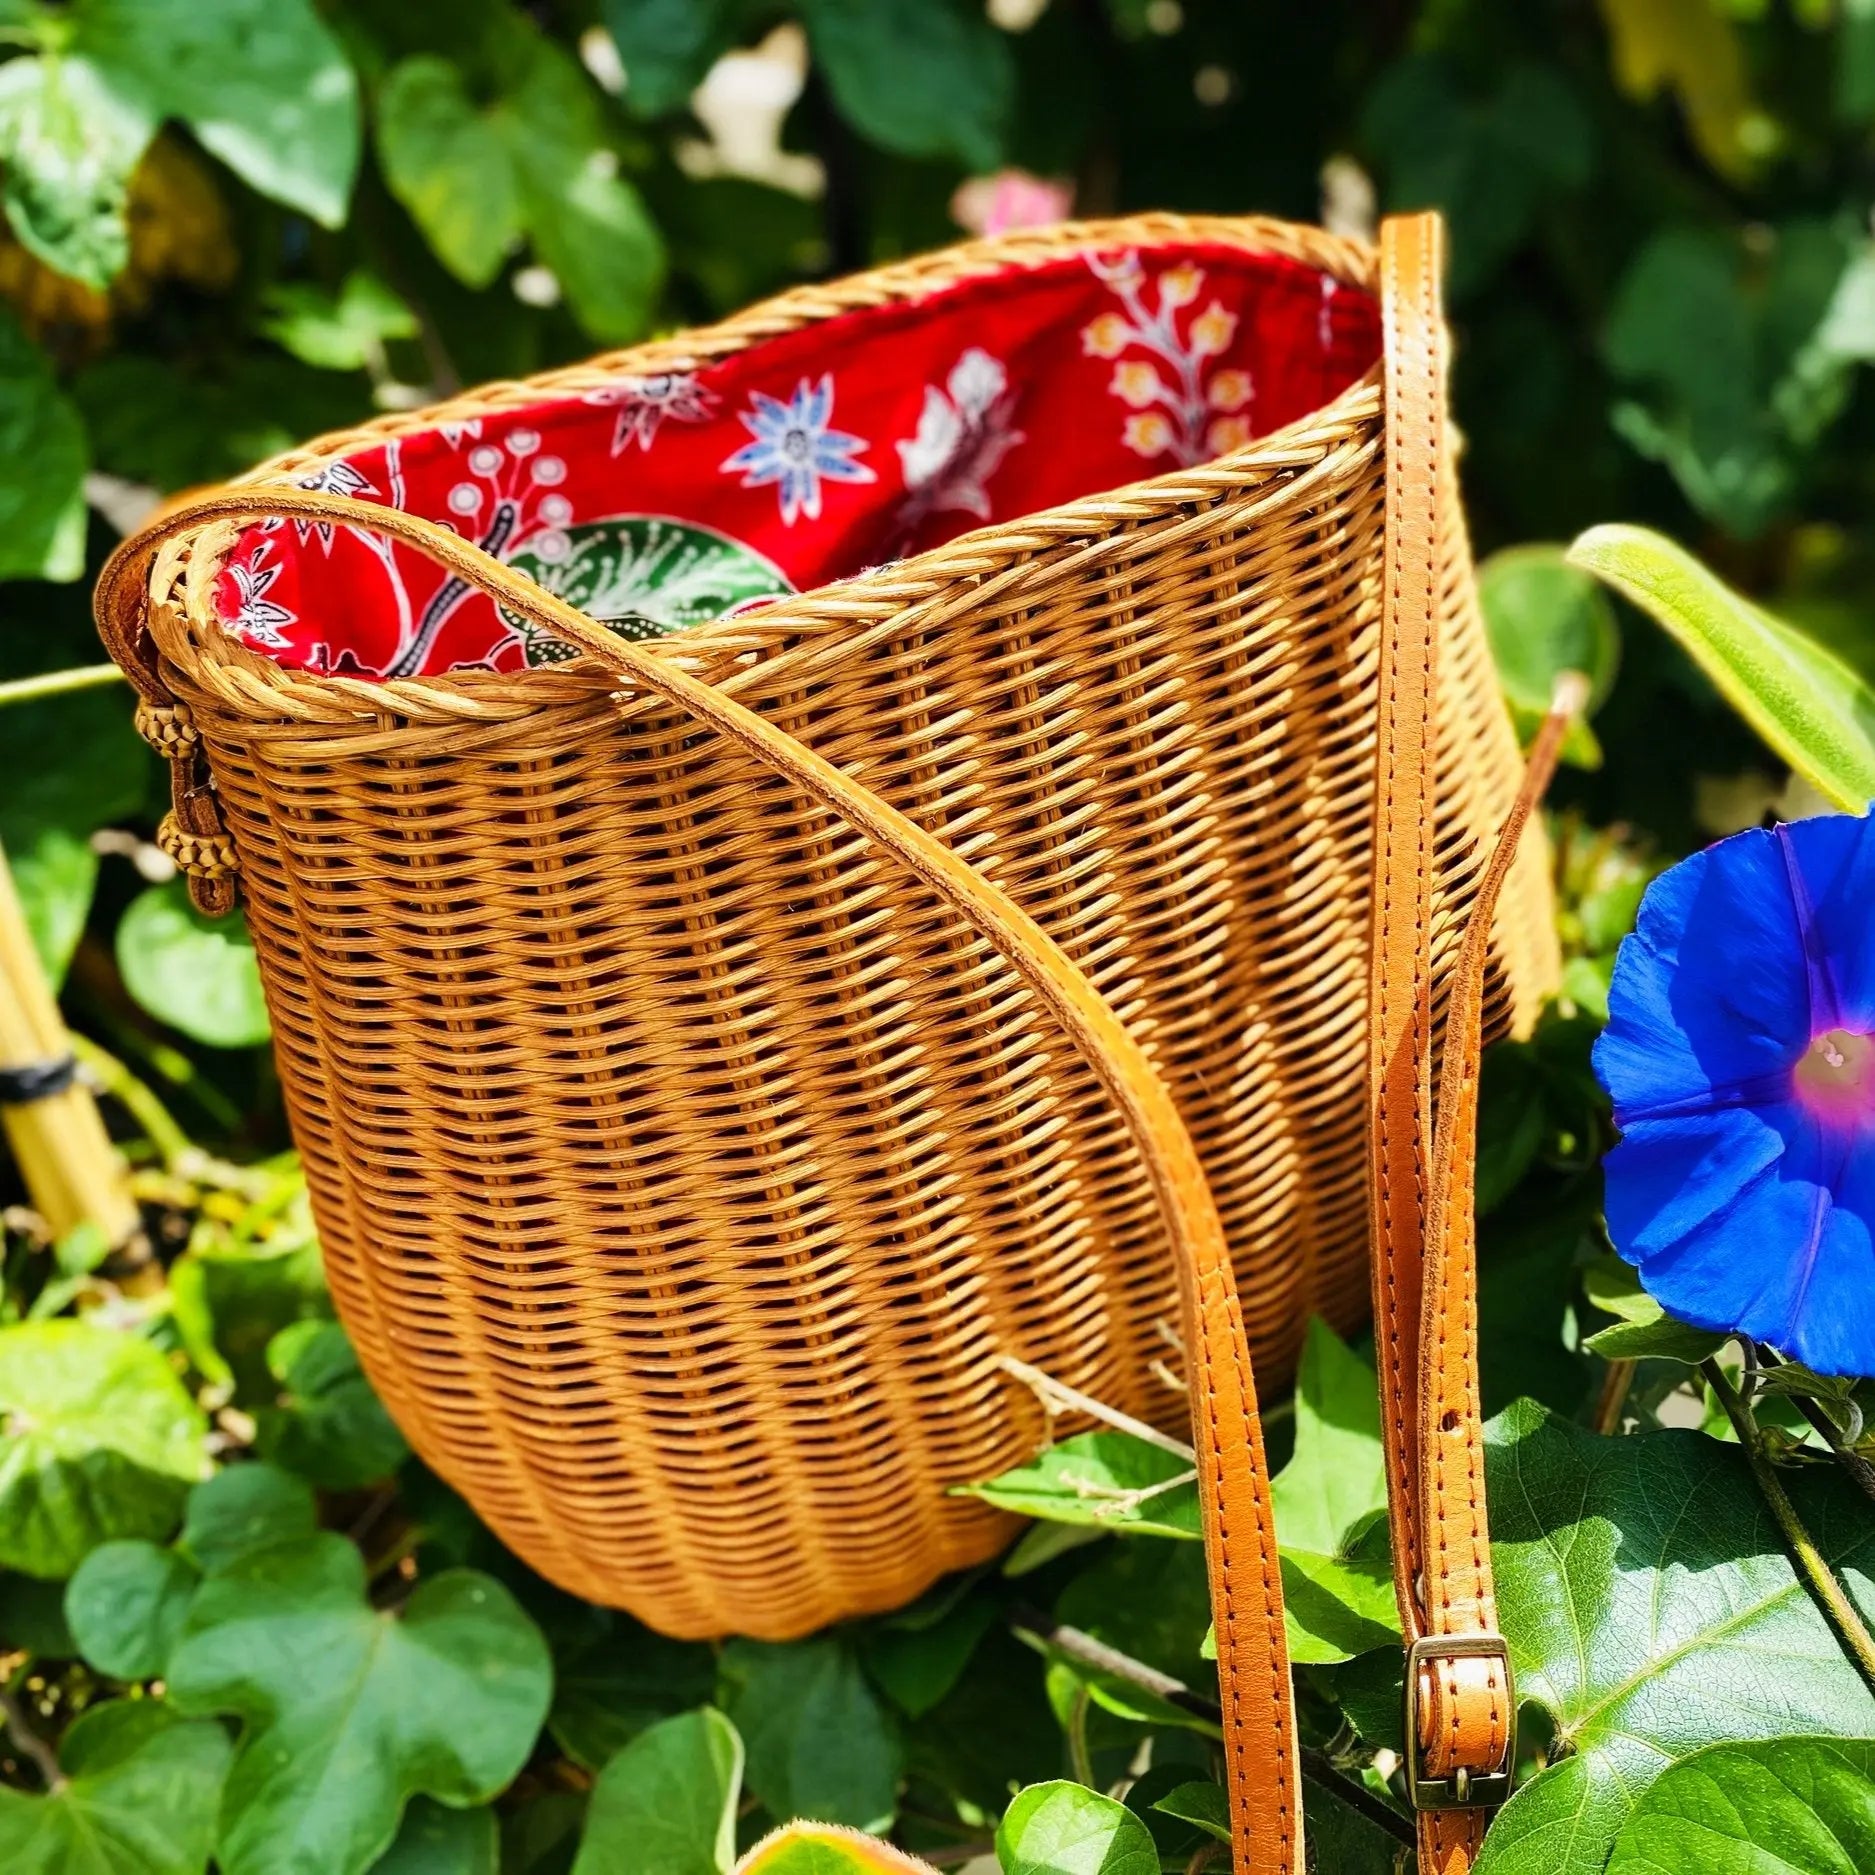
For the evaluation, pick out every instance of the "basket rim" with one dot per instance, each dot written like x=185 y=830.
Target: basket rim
x=188 y=563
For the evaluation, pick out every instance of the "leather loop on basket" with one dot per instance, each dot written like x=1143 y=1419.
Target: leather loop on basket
x=1262 y=1764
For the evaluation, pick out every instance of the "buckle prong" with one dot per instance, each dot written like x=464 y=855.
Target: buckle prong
x=1465 y=1788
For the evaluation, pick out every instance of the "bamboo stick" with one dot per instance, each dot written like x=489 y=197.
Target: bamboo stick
x=71 y=1171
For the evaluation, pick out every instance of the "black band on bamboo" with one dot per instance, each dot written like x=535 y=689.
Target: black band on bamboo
x=36 y=1080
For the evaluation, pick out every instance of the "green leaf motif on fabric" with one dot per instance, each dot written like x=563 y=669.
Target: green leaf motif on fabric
x=142 y=1797
x=1783 y=1806
x=98 y=1440
x=1651 y=1610
x=347 y=1711
x=1812 y=710
x=820 y=1745
x=197 y=974
x=642 y=574
x=1067 y=1829
x=666 y=1805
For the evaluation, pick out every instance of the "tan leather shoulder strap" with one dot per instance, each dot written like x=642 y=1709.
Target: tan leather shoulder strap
x=1240 y=1536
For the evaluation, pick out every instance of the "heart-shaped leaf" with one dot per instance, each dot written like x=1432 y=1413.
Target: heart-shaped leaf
x=1783 y=1806
x=197 y=974
x=827 y=1849
x=141 y=1797
x=666 y=1805
x=1544 y=617
x=331 y=1429
x=1105 y=1479
x=1067 y=1829
x=97 y=1440
x=242 y=1509
x=1811 y=709
x=1651 y=1609
x=42 y=465
x=349 y=1712
x=438 y=1841
x=1336 y=1479
x=126 y=1607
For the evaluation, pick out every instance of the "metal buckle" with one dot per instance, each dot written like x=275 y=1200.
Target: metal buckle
x=1465 y=1789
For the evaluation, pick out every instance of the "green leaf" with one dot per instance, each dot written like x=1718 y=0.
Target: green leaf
x=331 y=1429
x=820 y=1745
x=346 y=331
x=917 y=1663
x=917 y=77
x=1110 y=1480
x=197 y=974
x=32 y=1617
x=667 y=47
x=1202 y=1803
x=1663 y=1339
x=588 y=225
x=1339 y=1606
x=1785 y=1806
x=262 y=83
x=69 y=141
x=436 y=1841
x=666 y=1805
x=244 y=1508
x=1811 y=710
x=347 y=1712
x=142 y=1797
x=231 y=1301
x=1651 y=1610
x=126 y=1607
x=42 y=466
x=609 y=1686
x=1067 y=1829
x=1336 y=1478
x=448 y=163
x=1543 y=617
x=54 y=876
x=827 y=1849
x=1690 y=46
x=97 y=1440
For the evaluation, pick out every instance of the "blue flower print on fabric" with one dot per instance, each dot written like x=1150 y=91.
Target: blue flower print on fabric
x=795 y=448
x=1740 y=1056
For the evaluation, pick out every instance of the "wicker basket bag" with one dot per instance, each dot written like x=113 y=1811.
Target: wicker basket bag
x=713 y=1059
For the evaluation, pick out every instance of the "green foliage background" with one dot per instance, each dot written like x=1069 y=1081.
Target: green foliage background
x=238 y=1624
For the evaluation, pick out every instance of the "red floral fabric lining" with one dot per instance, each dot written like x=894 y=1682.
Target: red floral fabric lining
x=654 y=503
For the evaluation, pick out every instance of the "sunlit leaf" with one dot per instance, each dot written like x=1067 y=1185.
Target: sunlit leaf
x=666 y=1805
x=42 y=466
x=1810 y=709
x=343 y=331
x=1107 y=1479
x=197 y=974
x=1544 y=617
x=1690 y=47
x=827 y=1849
x=1067 y=1829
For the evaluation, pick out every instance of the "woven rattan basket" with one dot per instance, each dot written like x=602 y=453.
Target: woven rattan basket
x=685 y=1168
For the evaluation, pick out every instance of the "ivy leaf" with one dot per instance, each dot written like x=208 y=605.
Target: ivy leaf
x=1544 y=616
x=1336 y=1478
x=1107 y=1480
x=1811 y=710
x=1066 y=1829
x=436 y=1841
x=332 y=1428
x=69 y=140
x=97 y=1440
x=589 y=225
x=197 y=974
x=820 y=1745
x=917 y=77
x=126 y=1607
x=448 y=163
x=348 y=1713
x=666 y=1805
x=242 y=1509
x=1785 y=1806
x=142 y=1797
x=262 y=83
x=668 y=46
x=1643 y=1588
x=1337 y=1607
x=827 y=1849
x=42 y=465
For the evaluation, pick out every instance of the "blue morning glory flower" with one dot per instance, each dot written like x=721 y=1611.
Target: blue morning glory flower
x=794 y=446
x=1740 y=1055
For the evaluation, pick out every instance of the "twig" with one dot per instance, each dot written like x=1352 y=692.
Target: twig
x=27 y=1742
x=1057 y=1397
x=1075 y=1644
x=1851 y=1460
x=1614 y=1395
x=1830 y=1594
x=59 y=683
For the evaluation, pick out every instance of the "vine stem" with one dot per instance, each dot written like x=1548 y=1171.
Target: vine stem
x=59 y=683
x=1843 y=1614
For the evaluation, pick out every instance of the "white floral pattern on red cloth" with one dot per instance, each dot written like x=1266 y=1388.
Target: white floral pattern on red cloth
x=663 y=499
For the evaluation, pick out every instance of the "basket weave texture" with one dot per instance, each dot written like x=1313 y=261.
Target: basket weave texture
x=683 y=1169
